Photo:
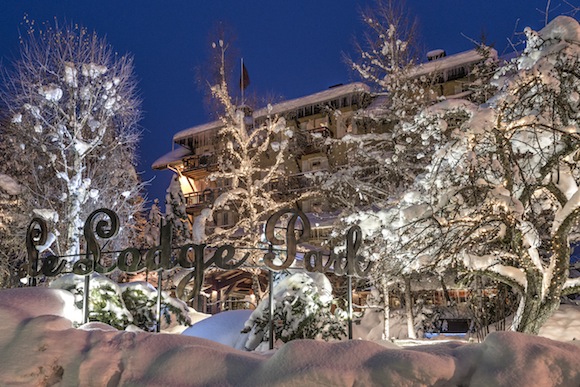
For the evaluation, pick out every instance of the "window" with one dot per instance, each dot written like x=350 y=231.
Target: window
x=457 y=72
x=225 y=218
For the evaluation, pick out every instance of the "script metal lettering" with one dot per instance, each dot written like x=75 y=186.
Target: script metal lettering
x=104 y=224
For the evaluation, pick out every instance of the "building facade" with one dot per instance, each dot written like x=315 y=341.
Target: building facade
x=332 y=113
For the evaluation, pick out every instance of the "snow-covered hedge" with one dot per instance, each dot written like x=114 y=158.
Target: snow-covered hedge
x=141 y=299
x=132 y=304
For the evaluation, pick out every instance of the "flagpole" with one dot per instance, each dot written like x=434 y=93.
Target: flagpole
x=242 y=79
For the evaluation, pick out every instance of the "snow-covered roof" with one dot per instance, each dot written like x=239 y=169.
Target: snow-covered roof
x=283 y=107
x=377 y=107
x=437 y=53
x=312 y=99
x=451 y=61
x=197 y=129
x=169 y=158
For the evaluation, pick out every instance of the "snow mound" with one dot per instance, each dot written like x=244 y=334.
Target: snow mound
x=564 y=325
x=25 y=303
x=37 y=347
x=223 y=328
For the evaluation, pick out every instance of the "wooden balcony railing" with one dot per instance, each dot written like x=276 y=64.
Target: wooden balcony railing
x=203 y=198
x=199 y=162
x=286 y=185
x=308 y=141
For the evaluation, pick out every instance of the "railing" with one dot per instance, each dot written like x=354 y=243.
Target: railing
x=295 y=183
x=284 y=185
x=203 y=198
x=312 y=140
x=199 y=162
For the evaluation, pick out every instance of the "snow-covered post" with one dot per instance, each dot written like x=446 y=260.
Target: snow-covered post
x=162 y=253
x=158 y=303
x=386 y=309
x=409 y=308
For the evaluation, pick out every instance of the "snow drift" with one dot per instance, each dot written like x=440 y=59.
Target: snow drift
x=39 y=347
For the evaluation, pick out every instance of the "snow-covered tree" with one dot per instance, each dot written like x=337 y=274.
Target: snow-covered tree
x=384 y=156
x=302 y=310
x=481 y=87
x=175 y=213
x=388 y=58
x=137 y=230
x=152 y=227
x=72 y=110
x=500 y=196
x=251 y=160
x=11 y=230
x=378 y=164
x=176 y=216
x=382 y=160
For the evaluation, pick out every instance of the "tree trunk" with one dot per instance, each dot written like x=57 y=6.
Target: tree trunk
x=409 y=308
x=256 y=288
x=73 y=214
x=386 y=310
x=445 y=291
x=480 y=313
x=533 y=310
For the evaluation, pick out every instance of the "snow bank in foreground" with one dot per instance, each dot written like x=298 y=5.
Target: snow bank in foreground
x=43 y=349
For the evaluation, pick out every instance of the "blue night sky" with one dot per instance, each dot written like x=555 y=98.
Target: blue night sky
x=290 y=48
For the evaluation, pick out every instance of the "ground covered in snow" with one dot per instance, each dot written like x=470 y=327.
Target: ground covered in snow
x=38 y=346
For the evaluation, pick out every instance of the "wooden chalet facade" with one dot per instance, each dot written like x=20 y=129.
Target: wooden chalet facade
x=194 y=157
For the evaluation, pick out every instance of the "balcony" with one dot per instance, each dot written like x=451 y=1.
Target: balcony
x=283 y=187
x=198 y=166
x=202 y=199
x=293 y=184
x=310 y=141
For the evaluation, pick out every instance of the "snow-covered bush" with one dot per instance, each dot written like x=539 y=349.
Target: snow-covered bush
x=302 y=310
x=141 y=299
x=105 y=302
x=120 y=306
